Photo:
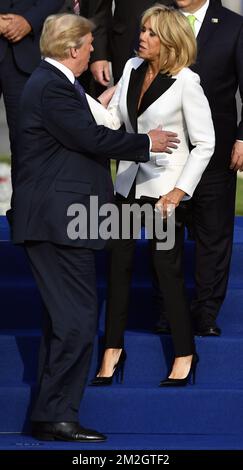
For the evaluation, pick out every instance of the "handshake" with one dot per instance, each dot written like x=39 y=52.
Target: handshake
x=163 y=141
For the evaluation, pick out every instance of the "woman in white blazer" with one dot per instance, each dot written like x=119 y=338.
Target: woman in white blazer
x=158 y=89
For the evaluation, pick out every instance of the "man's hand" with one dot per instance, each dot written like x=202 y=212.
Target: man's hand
x=106 y=96
x=167 y=203
x=3 y=25
x=163 y=141
x=17 y=28
x=101 y=71
x=237 y=157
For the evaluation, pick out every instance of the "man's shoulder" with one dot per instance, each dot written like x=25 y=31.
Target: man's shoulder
x=44 y=78
x=230 y=16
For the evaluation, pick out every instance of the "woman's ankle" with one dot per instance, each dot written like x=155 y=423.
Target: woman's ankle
x=110 y=359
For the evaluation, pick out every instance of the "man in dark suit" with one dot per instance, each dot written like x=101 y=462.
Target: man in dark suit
x=20 y=27
x=220 y=66
x=84 y=8
x=62 y=161
x=79 y=7
x=116 y=35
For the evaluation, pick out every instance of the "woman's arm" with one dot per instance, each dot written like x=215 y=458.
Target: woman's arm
x=106 y=96
x=200 y=129
x=110 y=117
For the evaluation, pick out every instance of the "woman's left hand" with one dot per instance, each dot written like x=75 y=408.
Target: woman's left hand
x=106 y=96
x=167 y=203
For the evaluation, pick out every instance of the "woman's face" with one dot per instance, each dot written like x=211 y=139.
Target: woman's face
x=149 y=43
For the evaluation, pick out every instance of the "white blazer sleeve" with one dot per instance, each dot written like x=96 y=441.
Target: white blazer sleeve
x=102 y=115
x=200 y=129
x=110 y=117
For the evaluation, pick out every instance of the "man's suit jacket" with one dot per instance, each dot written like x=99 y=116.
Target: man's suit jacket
x=27 y=52
x=116 y=35
x=62 y=158
x=175 y=103
x=220 y=67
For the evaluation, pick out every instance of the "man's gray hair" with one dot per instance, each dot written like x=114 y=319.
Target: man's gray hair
x=61 y=32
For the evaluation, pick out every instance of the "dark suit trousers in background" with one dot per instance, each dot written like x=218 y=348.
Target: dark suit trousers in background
x=12 y=82
x=213 y=206
x=66 y=280
x=168 y=267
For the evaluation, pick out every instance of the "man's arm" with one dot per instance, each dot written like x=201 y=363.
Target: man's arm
x=102 y=15
x=237 y=151
x=70 y=124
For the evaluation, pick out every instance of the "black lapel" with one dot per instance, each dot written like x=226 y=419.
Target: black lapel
x=210 y=25
x=157 y=88
x=133 y=92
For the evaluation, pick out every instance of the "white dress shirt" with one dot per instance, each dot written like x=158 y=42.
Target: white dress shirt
x=200 y=15
x=65 y=70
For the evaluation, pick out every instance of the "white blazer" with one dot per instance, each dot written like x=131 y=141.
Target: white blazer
x=182 y=108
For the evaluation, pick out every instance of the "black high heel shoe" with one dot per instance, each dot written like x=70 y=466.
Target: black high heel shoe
x=191 y=376
x=118 y=373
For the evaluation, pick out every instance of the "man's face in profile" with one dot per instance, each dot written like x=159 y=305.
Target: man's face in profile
x=84 y=54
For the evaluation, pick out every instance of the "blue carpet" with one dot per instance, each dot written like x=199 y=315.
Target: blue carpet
x=137 y=414
x=125 y=441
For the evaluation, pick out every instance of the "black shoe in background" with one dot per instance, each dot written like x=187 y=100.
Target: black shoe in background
x=207 y=330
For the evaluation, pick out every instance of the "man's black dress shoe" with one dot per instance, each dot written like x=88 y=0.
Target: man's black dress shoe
x=208 y=331
x=66 y=431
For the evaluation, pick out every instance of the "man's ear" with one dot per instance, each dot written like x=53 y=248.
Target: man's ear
x=73 y=52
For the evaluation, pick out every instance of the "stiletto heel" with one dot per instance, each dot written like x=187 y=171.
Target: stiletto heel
x=194 y=371
x=118 y=373
x=191 y=376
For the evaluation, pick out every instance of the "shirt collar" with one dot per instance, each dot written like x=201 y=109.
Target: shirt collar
x=199 y=14
x=65 y=70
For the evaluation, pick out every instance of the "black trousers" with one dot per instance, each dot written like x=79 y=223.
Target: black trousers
x=213 y=210
x=169 y=271
x=12 y=81
x=66 y=280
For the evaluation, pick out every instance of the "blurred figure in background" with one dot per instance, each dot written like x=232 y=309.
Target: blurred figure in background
x=20 y=28
x=219 y=64
x=83 y=8
x=116 y=35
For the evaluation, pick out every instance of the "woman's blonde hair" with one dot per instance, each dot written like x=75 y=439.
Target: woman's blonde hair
x=178 y=43
x=61 y=32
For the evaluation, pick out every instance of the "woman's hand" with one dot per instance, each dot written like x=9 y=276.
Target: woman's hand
x=106 y=96
x=167 y=203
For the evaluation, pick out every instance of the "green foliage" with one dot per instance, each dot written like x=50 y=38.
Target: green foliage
x=239 y=197
x=5 y=159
